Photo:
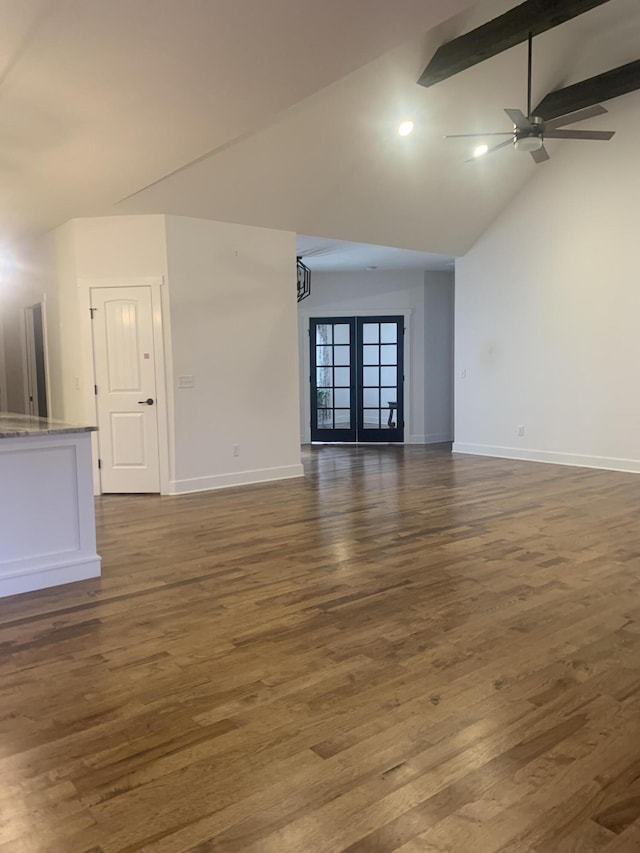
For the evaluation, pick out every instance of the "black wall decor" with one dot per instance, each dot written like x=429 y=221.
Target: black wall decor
x=304 y=280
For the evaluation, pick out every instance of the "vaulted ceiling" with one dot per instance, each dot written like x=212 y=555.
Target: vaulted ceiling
x=286 y=110
x=100 y=97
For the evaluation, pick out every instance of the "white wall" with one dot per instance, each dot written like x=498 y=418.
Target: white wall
x=66 y=363
x=233 y=328
x=115 y=247
x=55 y=268
x=232 y=289
x=110 y=251
x=31 y=280
x=428 y=299
x=58 y=269
x=547 y=312
x=438 y=346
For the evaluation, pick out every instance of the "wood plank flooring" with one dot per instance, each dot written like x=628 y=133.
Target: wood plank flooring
x=405 y=651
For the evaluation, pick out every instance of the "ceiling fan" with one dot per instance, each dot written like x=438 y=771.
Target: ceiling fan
x=530 y=131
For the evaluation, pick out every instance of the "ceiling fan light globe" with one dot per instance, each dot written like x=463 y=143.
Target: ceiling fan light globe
x=528 y=143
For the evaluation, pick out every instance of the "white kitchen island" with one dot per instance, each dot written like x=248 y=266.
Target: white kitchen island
x=47 y=518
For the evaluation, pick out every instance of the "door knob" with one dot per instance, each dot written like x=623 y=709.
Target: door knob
x=147 y=402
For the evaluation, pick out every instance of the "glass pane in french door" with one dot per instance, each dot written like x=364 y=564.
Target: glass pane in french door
x=333 y=373
x=380 y=379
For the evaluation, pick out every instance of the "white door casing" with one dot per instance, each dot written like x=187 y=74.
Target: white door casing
x=124 y=363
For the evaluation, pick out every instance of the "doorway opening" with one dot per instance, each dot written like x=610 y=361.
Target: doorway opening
x=36 y=375
x=357 y=379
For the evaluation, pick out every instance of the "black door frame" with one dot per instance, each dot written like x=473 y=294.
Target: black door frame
x=386 y=433
x=332 y=434
x=392 y=430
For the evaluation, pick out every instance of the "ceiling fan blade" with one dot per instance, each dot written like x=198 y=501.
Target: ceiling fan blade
x=572 y=118
x=465 y=135
x=540 y=155
x=519 y=119
x=491 y=150
x=580 y=134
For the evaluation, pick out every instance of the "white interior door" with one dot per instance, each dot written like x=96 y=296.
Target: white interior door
x=126 y=389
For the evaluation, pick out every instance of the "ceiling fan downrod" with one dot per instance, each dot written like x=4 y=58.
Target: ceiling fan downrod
x=529 y=72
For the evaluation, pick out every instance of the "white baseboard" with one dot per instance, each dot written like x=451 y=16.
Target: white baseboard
x=607 y=463
x=29 y=579
x=239 y=478
x=433 y=438
x=437 y=437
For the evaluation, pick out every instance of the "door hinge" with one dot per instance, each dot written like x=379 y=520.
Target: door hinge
x=95 y=390
x=99 y=463
x=91 y=312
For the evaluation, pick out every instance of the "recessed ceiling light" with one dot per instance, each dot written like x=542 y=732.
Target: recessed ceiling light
x=406 y=128
x=480 y=150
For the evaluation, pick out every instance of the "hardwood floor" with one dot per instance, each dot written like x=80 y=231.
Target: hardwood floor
x=405 y=651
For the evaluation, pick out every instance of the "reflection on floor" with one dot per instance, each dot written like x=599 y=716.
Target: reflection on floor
x=406 y=650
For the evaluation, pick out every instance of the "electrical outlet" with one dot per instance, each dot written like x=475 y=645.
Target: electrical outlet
x=463 y=373
x=236 y=450
x=520 y=429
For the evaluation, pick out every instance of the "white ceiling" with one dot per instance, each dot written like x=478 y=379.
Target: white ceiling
x=334 y=165
x=99 y=98
x=324 y=255
x=287 y=110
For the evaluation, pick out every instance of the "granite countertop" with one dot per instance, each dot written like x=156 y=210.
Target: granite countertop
x=15 y=426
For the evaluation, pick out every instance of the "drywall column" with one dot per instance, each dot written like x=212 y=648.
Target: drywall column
x=234 y=343
x=438 y=343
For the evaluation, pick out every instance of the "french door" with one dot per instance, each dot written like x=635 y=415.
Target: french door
x=357 y=378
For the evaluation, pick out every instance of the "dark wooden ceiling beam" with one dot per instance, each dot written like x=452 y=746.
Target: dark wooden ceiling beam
x=503 y=32
x=603 y=87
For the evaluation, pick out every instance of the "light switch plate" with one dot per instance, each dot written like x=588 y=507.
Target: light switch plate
x=186 y=382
